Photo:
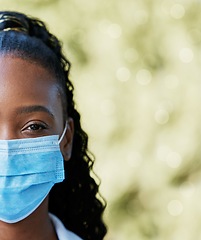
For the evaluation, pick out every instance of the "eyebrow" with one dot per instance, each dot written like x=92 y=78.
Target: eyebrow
x=34 y=108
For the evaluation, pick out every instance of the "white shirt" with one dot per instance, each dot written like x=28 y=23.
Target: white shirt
x=62 y=232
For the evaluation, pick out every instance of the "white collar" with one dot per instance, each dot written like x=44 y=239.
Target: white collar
x=62 y=232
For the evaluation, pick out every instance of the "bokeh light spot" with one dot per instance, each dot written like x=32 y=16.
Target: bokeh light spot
x=186 y=55
x=123 y=74
x=177 y=11
x=143 y=77
x=162 y=116
x=173 y=159
x=175 y=208
x=114 y=30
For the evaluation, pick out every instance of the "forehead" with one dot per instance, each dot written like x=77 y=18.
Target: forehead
x=19 y=73
x=24 y=82
x=17 y=63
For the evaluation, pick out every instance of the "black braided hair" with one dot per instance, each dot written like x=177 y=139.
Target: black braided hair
x=75 y=201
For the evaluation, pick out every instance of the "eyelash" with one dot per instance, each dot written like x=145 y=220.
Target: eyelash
x=37 y=126
x=34 y=128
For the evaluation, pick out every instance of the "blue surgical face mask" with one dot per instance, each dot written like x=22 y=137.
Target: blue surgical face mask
x=28 y=170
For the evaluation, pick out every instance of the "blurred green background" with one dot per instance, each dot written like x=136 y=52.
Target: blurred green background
x=137 y=75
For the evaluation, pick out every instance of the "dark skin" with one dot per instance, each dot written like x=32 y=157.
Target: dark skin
x=30 y=106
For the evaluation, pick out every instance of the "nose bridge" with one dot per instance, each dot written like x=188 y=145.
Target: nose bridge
x=7 y=132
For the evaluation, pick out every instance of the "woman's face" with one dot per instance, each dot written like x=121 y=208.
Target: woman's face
x=30 y=103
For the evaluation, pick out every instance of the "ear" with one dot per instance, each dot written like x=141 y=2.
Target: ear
x=66 y=144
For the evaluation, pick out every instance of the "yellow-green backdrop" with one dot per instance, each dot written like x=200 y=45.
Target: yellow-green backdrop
x=136 y=67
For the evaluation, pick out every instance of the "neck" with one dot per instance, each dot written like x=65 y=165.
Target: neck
x=37 y=226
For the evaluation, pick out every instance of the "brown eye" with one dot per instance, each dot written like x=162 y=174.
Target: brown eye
x=36 y=127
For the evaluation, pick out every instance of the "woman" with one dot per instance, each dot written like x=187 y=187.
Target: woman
x=46 y=191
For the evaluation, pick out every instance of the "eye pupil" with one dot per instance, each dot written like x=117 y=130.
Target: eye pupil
x=34 y=127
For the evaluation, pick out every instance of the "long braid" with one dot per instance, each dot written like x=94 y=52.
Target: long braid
x=74 y=200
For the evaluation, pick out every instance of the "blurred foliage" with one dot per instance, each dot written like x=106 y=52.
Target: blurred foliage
x=136 y=71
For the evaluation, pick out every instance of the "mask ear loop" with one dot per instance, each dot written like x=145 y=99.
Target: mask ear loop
x=64 y=132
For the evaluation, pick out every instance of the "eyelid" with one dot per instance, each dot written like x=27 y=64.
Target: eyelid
x=35 y=122
x=40 y=127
